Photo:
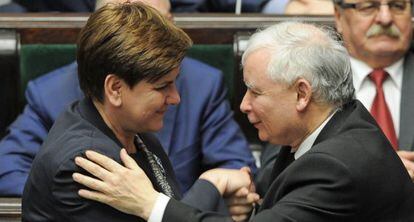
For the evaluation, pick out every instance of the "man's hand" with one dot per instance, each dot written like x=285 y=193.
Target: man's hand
x=227 y=181
x=407 y=157
x=241 y=204
x=238 y=189
x=127 y=189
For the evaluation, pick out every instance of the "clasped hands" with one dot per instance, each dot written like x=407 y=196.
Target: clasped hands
x=128 y=189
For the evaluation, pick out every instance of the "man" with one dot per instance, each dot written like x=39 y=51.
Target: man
x=335 y=165
x=199 y=134
x=377 y=35
x=127 y=74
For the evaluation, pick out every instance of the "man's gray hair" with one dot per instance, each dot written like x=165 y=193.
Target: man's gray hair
x=301 y=50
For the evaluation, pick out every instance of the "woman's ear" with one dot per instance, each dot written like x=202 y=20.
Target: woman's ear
x=112 y=89
x=304 y=94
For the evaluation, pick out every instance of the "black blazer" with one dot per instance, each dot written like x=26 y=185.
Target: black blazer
x=50 y=194
x=351 y=173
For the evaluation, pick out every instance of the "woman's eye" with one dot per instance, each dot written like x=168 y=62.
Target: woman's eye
x=161 y=87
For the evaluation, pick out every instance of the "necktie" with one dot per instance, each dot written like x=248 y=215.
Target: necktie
x=284 y=159
x=157 y=168
x=380 y=110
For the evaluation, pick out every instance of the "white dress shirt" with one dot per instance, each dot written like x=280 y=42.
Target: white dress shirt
x=365 y=89
x=307 y=144
x=159 y=208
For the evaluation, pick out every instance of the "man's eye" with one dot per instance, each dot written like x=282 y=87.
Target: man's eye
x=366 y=6
x=398 y=5
x=255 y=93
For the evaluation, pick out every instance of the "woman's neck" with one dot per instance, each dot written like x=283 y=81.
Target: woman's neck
x=126 y=138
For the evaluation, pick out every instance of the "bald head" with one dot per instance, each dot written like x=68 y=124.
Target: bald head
x=163 y=6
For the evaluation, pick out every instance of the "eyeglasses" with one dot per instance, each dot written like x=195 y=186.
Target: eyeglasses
x=371 y=7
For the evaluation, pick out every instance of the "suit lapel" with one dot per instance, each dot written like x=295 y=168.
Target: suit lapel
x=283 y=160
x=406 y=136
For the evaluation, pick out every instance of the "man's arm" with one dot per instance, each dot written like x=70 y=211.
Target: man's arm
x=19 y=147
x=129 y=190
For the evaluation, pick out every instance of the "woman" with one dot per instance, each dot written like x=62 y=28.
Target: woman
x=128 y=57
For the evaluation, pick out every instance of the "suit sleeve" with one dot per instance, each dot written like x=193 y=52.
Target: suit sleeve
x=19 y=147
x=70 y=206
x=321 y=188
x=202 y=199
x=223 y=143
x=204 y=196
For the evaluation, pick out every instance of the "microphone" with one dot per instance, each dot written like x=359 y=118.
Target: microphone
x=238 y=7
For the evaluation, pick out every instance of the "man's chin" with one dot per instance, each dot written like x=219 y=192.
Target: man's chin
x=263 y=137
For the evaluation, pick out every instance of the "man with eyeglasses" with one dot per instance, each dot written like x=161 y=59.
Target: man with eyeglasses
x=377 y=35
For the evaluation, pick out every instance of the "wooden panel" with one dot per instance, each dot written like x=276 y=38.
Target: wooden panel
x=202 y=28
x=10 y=209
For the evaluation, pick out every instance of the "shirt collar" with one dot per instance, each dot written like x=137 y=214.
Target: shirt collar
x=361 y=71
x=306 y=145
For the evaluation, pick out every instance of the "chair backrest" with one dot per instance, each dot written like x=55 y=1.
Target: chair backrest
x=38 y=59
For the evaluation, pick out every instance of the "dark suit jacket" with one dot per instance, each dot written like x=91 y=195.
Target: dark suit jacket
x=351 y=173
x=406 y=136
x=198 y=134
x=50 y=194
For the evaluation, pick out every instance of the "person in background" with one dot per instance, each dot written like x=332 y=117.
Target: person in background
x=56 y=5
x=11 y=6
x=299 y=7
x=309 y=7
x=378 y=36
x=198 y=134
x=275 y=7
x=335 y=163
x=216 y=5
x=89 y=5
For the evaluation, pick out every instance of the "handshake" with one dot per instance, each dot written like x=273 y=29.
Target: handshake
x=128 y=189
x=238 y=189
